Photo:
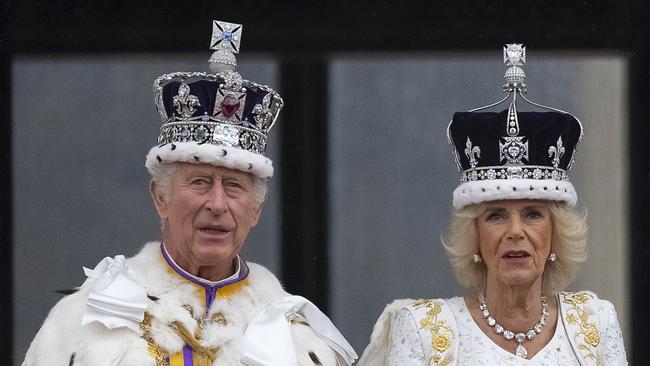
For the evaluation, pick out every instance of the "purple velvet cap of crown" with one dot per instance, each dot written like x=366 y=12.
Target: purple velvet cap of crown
x=532 y=163
x=217 y=119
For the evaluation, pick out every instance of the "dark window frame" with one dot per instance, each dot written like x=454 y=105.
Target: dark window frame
x=302 y=34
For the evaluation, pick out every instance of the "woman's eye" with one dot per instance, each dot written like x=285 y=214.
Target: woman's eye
x=534 y=214
x=494 y=216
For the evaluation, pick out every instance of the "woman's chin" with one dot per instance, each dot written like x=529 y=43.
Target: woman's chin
x=519 y=277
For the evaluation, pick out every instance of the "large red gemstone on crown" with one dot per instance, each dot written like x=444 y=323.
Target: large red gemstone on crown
x=229 y=105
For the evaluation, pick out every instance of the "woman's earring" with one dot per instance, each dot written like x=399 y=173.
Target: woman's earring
x=476 y=258
x=553 y=257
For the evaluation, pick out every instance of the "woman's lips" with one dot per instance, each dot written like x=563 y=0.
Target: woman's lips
x=515 y=254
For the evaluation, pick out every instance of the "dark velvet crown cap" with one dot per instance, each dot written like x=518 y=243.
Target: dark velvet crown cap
x=214 y=101
x=197 y=106
x=540 y=129
x=502 y=156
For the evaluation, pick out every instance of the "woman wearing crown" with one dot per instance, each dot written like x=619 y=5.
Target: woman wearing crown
x=515 y=242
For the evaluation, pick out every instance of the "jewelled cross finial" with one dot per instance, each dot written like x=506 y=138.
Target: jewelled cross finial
x=226 y=36
x=514 y=54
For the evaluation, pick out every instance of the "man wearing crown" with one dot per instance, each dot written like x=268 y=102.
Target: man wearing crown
x=191 y=299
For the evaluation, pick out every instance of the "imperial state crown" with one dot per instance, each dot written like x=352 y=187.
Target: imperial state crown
x=216 y=118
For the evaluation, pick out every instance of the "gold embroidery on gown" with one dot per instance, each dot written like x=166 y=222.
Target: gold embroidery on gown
x=441 y=333
x=587 y=337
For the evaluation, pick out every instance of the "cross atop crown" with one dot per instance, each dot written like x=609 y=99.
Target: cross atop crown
x=226 y=36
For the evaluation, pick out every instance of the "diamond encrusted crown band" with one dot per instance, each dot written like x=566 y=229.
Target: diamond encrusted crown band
x=517 y=172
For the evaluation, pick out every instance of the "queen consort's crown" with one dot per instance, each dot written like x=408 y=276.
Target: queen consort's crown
x=512 y=154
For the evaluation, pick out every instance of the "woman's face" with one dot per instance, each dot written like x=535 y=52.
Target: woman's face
x=515 y=241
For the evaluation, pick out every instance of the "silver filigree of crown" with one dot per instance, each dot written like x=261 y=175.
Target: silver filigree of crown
x=227 y=124
x=514 y=150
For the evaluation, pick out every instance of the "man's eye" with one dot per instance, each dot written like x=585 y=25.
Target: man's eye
x=199 y=182
x=231 y=184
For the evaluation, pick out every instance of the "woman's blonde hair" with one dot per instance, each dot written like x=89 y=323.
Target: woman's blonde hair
x=569 y=242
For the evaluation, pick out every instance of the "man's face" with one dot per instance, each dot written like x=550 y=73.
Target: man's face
x=207 y=214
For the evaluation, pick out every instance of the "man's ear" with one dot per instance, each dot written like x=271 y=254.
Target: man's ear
x=159 y=199
x=257 y=211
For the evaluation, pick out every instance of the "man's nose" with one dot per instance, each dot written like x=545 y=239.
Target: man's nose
x=217 y=200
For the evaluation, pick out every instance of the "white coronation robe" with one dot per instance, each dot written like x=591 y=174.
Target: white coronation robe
x=175 y=302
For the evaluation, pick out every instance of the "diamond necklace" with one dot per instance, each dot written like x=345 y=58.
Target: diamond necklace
x=510 y=335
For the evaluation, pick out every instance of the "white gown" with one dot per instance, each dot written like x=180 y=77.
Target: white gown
x=475 y=348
